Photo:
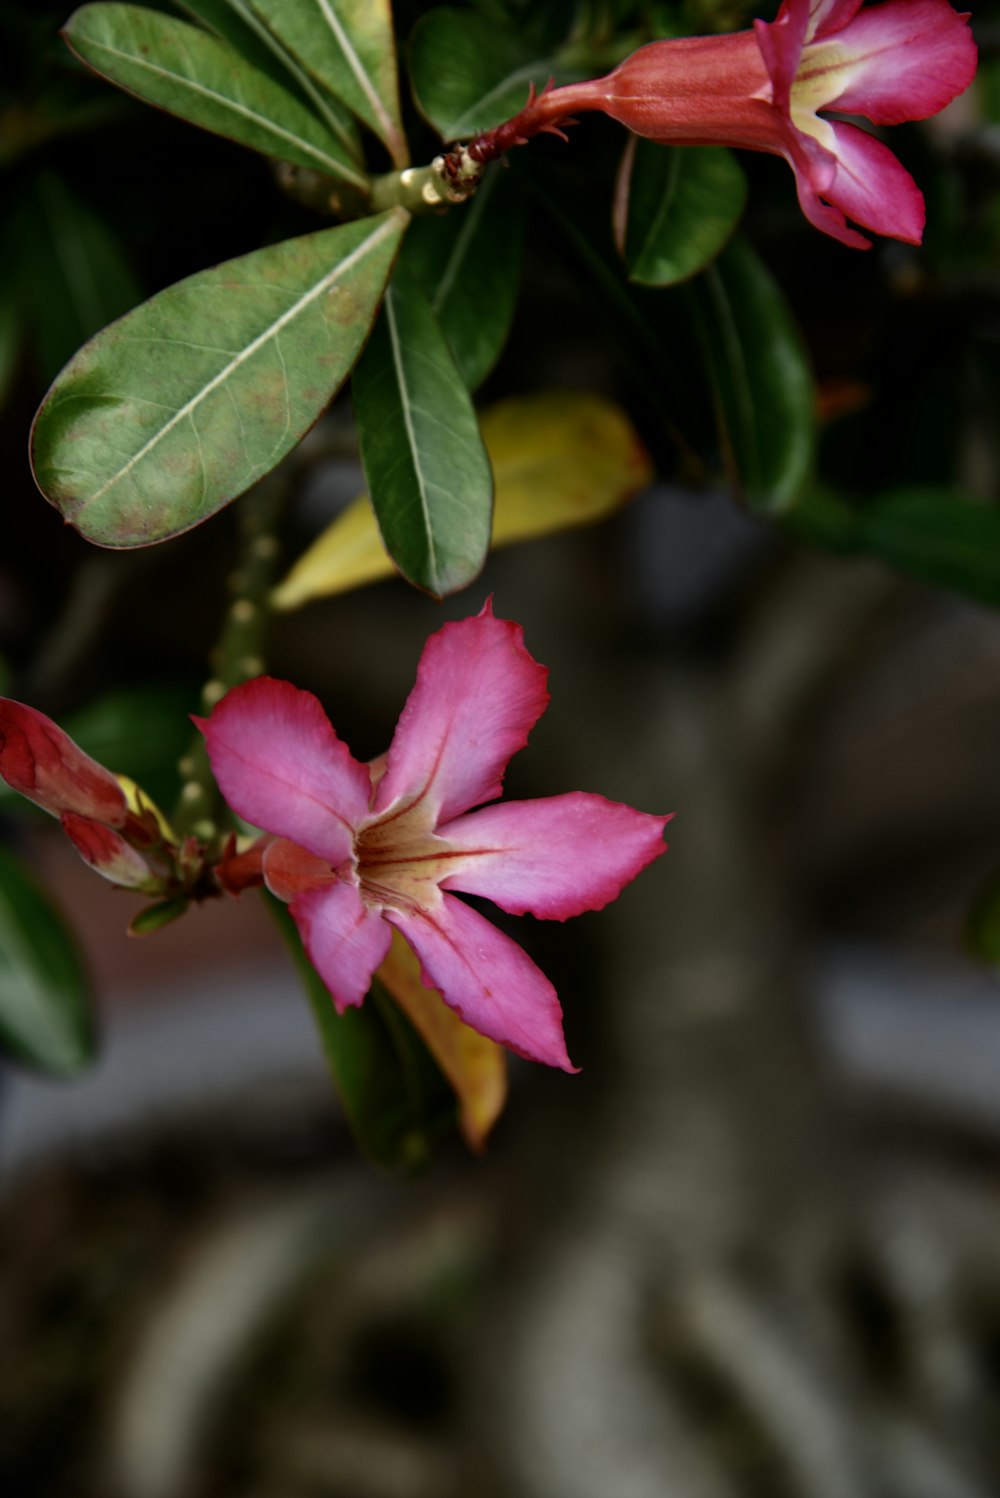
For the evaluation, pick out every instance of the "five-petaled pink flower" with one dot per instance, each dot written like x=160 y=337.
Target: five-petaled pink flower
x=360 y=849
x=763 y=90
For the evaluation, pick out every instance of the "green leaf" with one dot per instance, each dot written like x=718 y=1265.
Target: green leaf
x=468 y=265
x=983 y=924
x=174 y=410
x=469 y=74
x=394 y=1096
x=760 y=377
x=236 y=23
x=74 y=269
x=189 y=73
x=45 y=1014
x=154 y=917
x=348 y=46
x=428 y=474
x=680 y=207
x=820 y=518
x=939 y=536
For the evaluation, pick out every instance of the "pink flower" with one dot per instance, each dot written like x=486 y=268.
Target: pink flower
x=361 y=849
x=763 y=90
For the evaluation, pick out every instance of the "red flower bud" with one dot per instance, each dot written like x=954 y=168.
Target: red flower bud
x=43 y=763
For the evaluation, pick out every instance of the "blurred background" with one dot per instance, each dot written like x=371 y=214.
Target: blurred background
x=751 y=1251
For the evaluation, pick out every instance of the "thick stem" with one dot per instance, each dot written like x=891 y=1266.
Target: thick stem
x=238 y=653
x=428 y=189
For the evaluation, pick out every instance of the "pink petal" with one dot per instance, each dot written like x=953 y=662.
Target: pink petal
x=289 y=870
x=901 y=61
x=871 y=187
x=43 y=763
x=487 y=979
x=815 y=170
x=780 y=43
x=344 y=938
x=827 y=16
x=280 y=765
x=478 y=695
x=555 y=857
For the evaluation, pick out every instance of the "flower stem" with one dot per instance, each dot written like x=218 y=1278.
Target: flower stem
x=238 y=652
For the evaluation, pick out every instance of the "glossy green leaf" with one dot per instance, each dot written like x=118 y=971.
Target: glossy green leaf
x=74 y=270
x=761 y=381
x=677 y=208
x=469 y=73
x=348 y=46
x=428 y=474
x=189 y=73
x=236 y=23
x=938 y=536
x=468 y=265
x=174 y=410
x=394 y=1096
x=45 y=1013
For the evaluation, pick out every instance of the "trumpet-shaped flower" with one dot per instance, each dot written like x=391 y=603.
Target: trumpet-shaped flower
x=361 y=849
x=765 y=89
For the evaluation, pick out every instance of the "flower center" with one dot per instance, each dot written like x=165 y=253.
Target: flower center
x=400 y=860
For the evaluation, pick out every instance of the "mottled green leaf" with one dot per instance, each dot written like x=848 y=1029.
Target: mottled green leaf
x=428 y=474
x=184 y=70
x=940 y=536
x=677 y=206
x=45 y=1014
x=760 y=377
x=348 y=46
x=174 y=410
x=394 y=1096
x=469 y=73
x=468 y=265
x=74 y=270
x=242 y=28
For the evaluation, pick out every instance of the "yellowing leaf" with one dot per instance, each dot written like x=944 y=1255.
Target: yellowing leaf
x=560 y=459
x=475 y=1067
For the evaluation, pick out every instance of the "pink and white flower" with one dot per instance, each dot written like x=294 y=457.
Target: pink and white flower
x=765 y=89
x=361 y=849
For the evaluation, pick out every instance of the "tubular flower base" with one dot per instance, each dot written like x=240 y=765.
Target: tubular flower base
x=362 y=849
x=763 y=90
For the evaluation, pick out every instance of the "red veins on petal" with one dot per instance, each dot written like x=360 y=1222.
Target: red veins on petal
x=357 y=851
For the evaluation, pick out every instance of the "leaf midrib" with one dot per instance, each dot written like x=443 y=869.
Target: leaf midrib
x=382 y=232
x=404 y=397
x=334 y=166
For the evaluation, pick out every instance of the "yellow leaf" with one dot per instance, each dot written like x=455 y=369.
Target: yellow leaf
x=560 y=459
x=475 y=1067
